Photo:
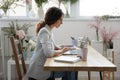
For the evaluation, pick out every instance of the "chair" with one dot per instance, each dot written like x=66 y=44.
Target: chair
x=18 y=56
x=107 y=74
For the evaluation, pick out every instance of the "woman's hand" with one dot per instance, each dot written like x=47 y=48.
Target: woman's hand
x=65 y=49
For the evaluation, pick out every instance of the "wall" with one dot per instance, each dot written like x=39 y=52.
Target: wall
x=76 y=28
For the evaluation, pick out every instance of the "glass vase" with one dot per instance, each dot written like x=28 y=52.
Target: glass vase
x=105 y=49
x=97 y=35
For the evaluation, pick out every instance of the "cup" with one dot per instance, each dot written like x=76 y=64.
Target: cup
x=82 y=53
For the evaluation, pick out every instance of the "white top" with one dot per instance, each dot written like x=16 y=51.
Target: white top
x=44 y=49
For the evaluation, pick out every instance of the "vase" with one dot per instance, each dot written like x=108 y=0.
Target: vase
x=105 y=49
x=109 y=54
x=110 y=44
x=97 y=35
x=6 y=14
x=40 y=13
x=82 y=53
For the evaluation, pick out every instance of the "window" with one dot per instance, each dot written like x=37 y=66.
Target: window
x=23 y=6
x=55 y=3
x=99 y=7
x=18 y=8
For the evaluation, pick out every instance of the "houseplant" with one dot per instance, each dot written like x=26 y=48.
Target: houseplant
x=14 y=27
x=67 y=5
x=82 y=44
x=40 y=2
x=108 y=36
x=39 y=6
x=6 y=5
x=96 y=26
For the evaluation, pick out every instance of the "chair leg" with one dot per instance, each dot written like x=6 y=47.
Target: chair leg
x=100 y=75
x=88 y=75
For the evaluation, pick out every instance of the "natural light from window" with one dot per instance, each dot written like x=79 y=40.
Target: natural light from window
x=99 y=7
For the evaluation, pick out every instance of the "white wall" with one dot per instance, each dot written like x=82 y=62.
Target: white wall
x=76 y=28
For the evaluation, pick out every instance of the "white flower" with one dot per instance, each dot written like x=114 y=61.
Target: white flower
x=83 y=41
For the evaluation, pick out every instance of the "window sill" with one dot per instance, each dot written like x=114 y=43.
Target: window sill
x=23 y=18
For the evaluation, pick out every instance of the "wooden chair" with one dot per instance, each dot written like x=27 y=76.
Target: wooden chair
x=107 y=74
x=18 y=56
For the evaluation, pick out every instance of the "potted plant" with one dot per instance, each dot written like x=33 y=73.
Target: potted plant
x=39 y=6
x=108 y=36
x=67 y=5
x=5 y=5
x=96 y=26
x=82 y=44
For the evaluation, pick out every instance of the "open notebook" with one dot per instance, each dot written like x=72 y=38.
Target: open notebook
x=67 y=59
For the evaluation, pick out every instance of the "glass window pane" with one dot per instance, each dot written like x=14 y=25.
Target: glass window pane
x=99 y=7
x=19 y=10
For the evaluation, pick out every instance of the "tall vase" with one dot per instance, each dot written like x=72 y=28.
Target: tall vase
x=110 y=44
x=40 y=13
x=105 y=49
x=97 y=35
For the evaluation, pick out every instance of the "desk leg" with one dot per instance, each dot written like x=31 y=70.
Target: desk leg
x=76 y=75
x=9 y=70
x=100 y=75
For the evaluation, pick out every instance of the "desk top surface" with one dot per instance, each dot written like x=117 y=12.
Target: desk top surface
x=95 y=62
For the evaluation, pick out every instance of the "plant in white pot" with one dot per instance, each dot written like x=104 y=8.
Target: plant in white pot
x=82 y=44
x=67 y=5
x=39 y=6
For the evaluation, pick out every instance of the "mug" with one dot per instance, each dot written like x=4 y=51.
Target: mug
x=82 y=53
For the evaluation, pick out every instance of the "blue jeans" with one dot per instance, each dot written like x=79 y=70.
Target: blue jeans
x=65 y=75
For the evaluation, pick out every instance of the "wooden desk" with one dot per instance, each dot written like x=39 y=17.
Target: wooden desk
x=95 y=62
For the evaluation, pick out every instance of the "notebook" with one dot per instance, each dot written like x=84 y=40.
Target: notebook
x=67 y=59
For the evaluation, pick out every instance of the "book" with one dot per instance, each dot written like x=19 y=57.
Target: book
x=69 y=59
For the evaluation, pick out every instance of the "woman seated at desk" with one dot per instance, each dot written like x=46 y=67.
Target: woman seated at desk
x=46 y=48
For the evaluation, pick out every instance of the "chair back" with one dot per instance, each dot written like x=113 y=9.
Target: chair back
x=18 y=56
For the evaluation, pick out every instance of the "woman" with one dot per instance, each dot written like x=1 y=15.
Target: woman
x=46 y=47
